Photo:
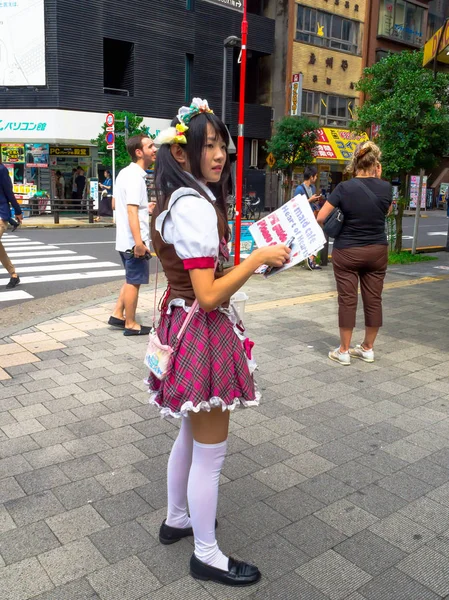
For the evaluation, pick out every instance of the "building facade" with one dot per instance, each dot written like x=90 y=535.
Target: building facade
x=396 y=25
x=92 y=57
x=324 y=63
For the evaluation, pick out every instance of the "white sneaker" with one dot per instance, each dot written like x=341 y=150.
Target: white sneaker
x=341 y=357
x=360 y=352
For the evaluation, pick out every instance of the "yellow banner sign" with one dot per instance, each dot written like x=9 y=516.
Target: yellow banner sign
x=337 y=144
x=437 y=46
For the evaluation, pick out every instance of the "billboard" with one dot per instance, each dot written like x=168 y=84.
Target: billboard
x=13 y=153
x=22 y=43
x=36 y=155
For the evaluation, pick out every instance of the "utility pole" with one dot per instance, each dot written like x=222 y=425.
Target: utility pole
x=241 y=137
x=418 y=211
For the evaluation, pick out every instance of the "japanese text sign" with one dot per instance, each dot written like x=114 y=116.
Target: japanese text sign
x=337 y=144
x=13 y=153
x=295 y=219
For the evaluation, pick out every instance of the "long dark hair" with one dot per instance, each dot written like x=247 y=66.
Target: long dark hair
x=169 y=173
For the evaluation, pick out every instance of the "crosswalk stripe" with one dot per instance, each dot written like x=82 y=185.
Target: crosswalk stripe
x=22 y=243
x=40 y=253
x=14 y=295
x=68 y=276
x=51 y=259
x=65 y=267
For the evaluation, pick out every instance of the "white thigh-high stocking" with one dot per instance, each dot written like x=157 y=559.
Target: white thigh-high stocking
x=202 y=492
x=178 y=475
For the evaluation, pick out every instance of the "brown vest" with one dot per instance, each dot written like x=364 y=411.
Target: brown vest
x=178 y=278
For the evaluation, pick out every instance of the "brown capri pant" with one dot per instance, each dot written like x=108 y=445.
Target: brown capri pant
x=369 y=265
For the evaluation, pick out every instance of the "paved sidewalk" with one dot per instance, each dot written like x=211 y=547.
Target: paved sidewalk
x=337 y=486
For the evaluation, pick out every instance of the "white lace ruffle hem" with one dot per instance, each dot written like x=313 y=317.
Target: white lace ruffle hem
x=212 y=403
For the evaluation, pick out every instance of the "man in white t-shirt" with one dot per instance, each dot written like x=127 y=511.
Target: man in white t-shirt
x=133 y=232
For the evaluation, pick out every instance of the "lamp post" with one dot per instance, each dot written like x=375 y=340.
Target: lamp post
x=230 y=42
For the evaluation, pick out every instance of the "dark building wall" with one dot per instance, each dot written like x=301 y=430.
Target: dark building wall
x=163 y=33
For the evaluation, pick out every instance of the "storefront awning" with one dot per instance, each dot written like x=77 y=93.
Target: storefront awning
x=53 y=126
x=337 y=144
x=438 y=47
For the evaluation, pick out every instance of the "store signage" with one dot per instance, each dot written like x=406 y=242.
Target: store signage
x=437 y=46
x=234 y=4
x=296 y=95
x=414 y=191
x=13 y=153
x=22 y=40
x=337 y=144
x=36 y=155
x=69 y=151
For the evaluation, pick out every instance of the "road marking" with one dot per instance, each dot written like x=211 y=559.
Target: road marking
x=15 y=295
x=82 y=243
x=40 y=253
x=22 y=243
x=69 y=276
x=328 y=295
x=51 y=259
x=65 y=267
x=434 y=233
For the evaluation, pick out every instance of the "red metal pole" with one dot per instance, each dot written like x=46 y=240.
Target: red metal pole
x=240 y=139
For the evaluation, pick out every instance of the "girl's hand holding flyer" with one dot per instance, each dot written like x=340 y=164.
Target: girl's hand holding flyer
x=293 y=224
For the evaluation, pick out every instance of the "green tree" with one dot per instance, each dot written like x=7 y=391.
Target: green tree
x=135 y=126
x=292 y=146
x=411 y=108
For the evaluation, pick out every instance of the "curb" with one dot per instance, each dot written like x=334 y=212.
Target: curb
x=65 y=225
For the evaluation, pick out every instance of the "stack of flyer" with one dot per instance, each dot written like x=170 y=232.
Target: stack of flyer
x=293 y=224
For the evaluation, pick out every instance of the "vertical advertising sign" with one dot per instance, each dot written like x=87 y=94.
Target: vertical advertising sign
x=22 y=43
x=296 y=95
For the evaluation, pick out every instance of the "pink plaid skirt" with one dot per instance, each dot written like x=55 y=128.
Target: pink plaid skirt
x=209 y=368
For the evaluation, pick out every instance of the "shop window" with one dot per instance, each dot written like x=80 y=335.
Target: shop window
x=324 y=29
x=328 y=109
x=118 y=67
x=188 y=78
x=402 y=21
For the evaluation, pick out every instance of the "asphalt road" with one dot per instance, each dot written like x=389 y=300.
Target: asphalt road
x=53 y=261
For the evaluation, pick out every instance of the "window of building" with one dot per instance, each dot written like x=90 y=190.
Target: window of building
x=190 y=4
x=327 y=109
x=402 y=21
x=188 y=78
x=324 y=29
x=118 y=67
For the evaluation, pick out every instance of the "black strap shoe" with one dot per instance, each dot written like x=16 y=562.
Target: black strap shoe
x=239 y=574
x=170 y=535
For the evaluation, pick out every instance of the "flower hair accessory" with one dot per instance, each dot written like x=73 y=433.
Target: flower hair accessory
x=173 y=135
x=198 y=106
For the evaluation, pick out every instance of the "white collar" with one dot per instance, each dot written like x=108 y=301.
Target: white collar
x=134 y=165
x=203 y=186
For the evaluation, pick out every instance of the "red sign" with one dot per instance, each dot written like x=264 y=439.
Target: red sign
x=296 y=77
x=110 y=119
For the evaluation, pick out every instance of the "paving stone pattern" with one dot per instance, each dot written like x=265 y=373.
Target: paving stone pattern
x=337 y=486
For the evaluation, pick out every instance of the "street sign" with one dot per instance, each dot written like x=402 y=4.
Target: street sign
x=112 y=128
x=271 y=161
x=234 y=4
x=110 y=120
x=110 y=140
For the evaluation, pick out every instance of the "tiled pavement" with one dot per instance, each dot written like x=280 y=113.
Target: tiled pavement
x=337 y=486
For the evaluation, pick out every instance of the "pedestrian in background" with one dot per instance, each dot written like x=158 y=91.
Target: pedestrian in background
x=133 y=232
x=209 y=374
x=308 y=189
x=360 y=252
x=7 y=198
x=105 y=207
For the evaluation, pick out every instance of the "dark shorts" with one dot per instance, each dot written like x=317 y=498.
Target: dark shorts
x=137 y=270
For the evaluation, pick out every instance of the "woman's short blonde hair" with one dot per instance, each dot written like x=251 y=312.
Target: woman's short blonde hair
x=365 y=158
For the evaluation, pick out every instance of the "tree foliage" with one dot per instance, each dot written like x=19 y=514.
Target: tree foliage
x=122 y=158
x=411 y=109
x=292 y=144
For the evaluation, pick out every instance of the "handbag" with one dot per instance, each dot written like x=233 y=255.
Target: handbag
x=158 y=355
x=333 y=224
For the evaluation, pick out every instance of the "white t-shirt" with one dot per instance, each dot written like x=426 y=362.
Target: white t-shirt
x=130 y=188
